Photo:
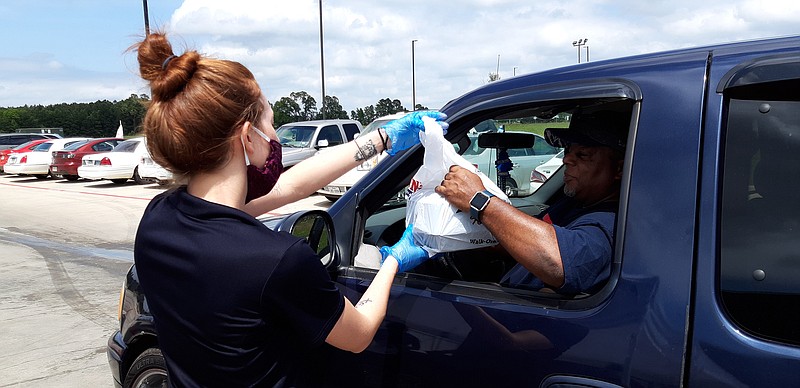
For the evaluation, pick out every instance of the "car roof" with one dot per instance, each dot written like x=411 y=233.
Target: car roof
x=323 y=122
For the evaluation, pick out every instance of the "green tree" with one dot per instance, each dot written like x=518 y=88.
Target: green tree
x=286 y=110
x=387 y=106
x=307 y=103
x=332 y=109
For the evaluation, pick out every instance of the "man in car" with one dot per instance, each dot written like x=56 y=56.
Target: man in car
x=570 y=249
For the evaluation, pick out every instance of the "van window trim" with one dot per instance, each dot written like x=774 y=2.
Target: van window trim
x=773 y=68
x=553 y=92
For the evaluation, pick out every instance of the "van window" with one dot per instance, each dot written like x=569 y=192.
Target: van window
x=332 y=134
x=759 y=266
x=350 y=130
x=491 y=267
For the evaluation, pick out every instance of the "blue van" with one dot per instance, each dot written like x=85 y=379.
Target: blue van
x=705 y=283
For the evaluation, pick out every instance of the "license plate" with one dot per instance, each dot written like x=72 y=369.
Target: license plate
x=55 y=168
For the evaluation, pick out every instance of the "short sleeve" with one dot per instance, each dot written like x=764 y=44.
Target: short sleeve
x=586 y=248
x=301 y=296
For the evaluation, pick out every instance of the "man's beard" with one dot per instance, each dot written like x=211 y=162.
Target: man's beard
x=569 y=191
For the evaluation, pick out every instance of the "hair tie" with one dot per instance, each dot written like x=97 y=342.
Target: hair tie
x=166 y=62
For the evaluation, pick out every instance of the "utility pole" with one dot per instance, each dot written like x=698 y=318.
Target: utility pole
x=146 y=18
x=413 y=79
x=321 y=60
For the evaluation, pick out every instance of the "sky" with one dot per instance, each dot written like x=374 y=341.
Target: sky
x=67 y=51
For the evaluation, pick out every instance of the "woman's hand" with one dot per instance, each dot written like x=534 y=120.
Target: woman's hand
x=407 y=254
x=404 y=132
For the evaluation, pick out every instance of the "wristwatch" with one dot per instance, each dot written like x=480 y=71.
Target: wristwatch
x=478 y=203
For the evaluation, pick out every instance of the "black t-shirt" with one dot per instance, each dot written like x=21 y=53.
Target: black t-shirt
x=234 y=303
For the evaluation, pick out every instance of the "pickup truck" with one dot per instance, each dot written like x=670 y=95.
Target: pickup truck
x=704 y=288
x=301 y=140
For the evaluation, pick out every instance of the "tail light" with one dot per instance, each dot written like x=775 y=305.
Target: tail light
x=105 y=161
x=538 y=177
x=24 y=159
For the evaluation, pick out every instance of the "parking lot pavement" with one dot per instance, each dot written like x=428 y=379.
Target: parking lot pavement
x=64 y=250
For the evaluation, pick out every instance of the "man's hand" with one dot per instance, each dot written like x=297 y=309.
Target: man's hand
x=404 y=132
x=407 y=254
x=459 y=186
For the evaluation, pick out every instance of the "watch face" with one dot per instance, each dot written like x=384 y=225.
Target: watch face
x=479 y=201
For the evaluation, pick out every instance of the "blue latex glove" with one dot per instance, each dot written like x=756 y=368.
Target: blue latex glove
x=408 y=255
x=404 y=132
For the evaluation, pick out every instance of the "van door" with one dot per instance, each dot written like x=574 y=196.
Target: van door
x=746 y=329
x=453 y=323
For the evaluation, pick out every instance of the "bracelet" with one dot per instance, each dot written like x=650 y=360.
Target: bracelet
x=385 y=148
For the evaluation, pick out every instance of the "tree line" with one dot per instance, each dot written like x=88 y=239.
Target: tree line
x=101 y=118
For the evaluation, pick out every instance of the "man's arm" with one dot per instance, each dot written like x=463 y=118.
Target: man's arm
x=530 y=241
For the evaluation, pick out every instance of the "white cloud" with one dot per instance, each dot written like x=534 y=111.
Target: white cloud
x=368 y=43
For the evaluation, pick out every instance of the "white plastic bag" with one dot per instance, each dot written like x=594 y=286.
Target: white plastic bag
x=439 y=226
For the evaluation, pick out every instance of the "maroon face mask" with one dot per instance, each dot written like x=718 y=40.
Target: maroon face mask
x=261 y=180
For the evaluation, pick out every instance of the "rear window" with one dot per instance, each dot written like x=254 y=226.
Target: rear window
x=126 y=146
x=43 y=147
x=76 y=145
x=760 y=216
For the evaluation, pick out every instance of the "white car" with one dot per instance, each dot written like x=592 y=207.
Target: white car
x=151 y=171
x=117 y=165
x=37 y=162
x=524 y=161
x=545 y=170
x=340 y=185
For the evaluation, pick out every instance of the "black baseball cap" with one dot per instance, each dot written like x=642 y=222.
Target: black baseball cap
x=600 y=128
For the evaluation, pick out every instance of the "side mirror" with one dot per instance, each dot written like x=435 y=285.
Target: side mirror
x=316 y=227
x=322 y=143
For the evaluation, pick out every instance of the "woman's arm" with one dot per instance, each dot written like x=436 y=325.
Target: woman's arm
x=358 y=324
x=310 y=175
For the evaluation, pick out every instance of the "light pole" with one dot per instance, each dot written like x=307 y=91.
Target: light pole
x=321 y=60
x=413 y=79
x=515 y=71
x=578 y=43
x=146 y=18
x=587 y=52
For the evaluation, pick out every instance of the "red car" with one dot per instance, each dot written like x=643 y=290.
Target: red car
x=24 y=147
x=66 y=162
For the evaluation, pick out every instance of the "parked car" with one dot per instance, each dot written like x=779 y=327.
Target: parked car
x=24 y=147
x=117 y=165
x=340 y=185
x=11 y=140
x=523 y=159
x=37 y=161
x=301 y=140
x=66 y=162
x=544 y=171
x=151 y=171
x=705 y=280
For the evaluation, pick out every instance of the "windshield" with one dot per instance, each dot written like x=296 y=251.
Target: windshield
x=296 y=136
x=374 y=125
x=473 y=146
